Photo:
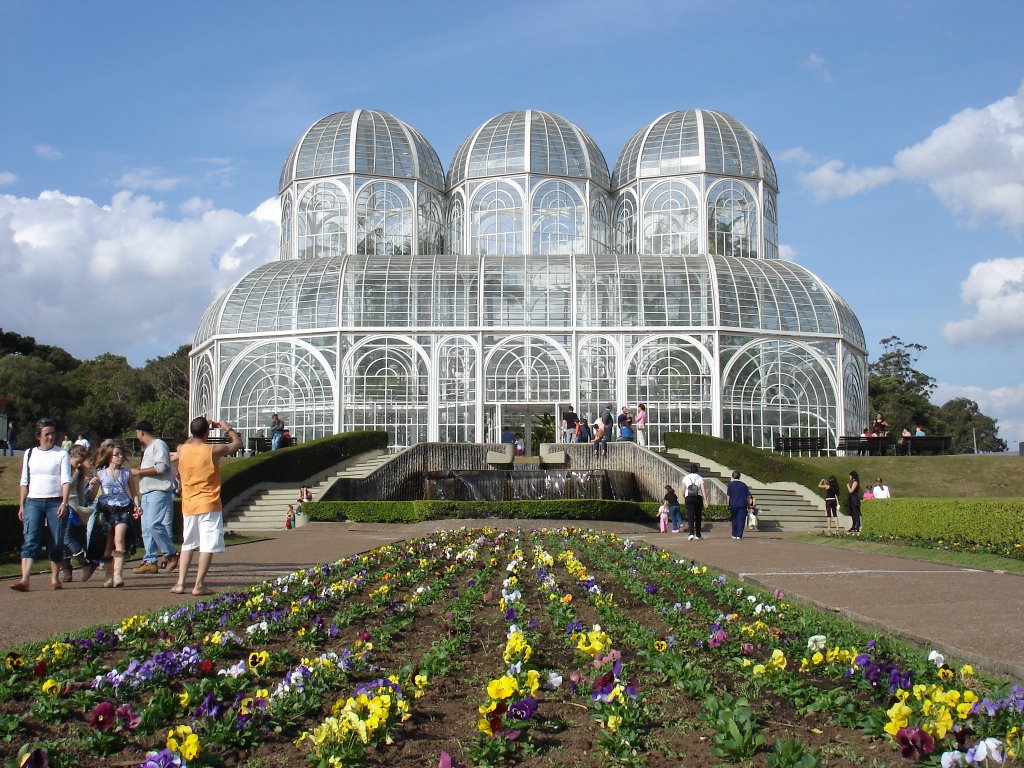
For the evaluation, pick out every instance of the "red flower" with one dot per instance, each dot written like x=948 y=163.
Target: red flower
x=39 y=670
x=104 y=716
x=204 y=668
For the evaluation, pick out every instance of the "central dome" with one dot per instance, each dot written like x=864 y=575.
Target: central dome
x=529 y=141
x=365 y=142
x=694 y=141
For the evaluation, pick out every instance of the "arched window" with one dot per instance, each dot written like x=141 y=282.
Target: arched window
x=624 y=223
x=771 y=228
x=527 y=370
x=431 y=223
x=558 y=219
x=671 y=222
x=202 y=388
x=672 y=378
x=456 y=224
x=600 y=229
x=732 y=220
x=496 y=220
x=284 y=377
x=322 y=221
x=385 y=388
x=775 y=388
x=456 y=391
x=384 y=217
x=286 y=226
x=598 y=364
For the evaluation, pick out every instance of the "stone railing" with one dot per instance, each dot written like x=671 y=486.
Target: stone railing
x=401 y=477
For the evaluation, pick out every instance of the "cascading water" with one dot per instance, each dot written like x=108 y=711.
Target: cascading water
x=527 y=484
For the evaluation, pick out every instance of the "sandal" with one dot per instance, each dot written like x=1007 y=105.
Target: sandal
x=19 y=587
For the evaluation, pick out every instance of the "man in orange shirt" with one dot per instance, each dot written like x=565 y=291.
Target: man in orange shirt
x=199 y=470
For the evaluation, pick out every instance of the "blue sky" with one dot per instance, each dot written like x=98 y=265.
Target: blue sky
x=140 y=144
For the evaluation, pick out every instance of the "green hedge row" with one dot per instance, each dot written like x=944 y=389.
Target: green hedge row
x=987 y=522
x=298 y=463
x=560 y=509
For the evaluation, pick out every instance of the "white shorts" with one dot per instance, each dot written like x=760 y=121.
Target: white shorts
x=204 y=532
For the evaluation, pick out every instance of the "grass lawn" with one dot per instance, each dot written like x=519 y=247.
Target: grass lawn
x=982 y=476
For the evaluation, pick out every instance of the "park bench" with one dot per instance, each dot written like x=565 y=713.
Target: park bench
x=795 y=444
x=864 y=446
x=929 y=444
x=219 y=440
x=262 y=444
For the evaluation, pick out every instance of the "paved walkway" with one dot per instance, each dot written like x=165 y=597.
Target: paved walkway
x=974 y=616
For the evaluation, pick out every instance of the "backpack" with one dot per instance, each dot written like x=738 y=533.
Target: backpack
x=693 y=489
x=582 y=432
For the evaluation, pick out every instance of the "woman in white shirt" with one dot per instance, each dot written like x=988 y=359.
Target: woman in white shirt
x=881 y=490
x=45 y=489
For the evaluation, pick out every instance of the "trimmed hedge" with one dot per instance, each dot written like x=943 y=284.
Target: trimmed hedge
x=296 y=464
x=558 y=509
x=986 y=522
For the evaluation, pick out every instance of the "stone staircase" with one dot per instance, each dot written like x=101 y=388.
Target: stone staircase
x=784 y=506
x=264 y=507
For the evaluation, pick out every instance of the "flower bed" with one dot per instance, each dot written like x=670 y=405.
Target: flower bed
x=479 y=647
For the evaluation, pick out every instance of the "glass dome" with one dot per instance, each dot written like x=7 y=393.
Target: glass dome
x=694 y=141
x=529 y=141
x=364 y=142
x=628 y=291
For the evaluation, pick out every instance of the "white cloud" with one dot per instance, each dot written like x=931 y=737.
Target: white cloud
x=794 y=155
x=1004 y=404
x=833 y=179
x=974 y=164
x=68 y=260
x=6 y=177
x=139 y=179
x=995 y=289
x=47 y=152
x=815 y=63
x=788 y=252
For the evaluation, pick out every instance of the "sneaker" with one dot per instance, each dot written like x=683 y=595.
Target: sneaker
x=690 y=537
x=146 y=568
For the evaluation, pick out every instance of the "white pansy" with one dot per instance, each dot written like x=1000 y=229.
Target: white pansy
x=937 y=658
x=816 y=643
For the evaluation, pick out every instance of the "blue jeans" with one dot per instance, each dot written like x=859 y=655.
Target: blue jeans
x=275 y=440
x=677 y=520
x=10 y=446
x=739 y=520
x=40 y=515
x=157 y=524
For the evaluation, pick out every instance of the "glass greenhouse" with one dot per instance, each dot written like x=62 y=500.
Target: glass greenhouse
x=458 y=307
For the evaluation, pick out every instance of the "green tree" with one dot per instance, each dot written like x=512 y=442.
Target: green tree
x=963 y=420
x=900 y=391
x=168 y=375
x=169 y=416
x=34 y=389
x=108 y=394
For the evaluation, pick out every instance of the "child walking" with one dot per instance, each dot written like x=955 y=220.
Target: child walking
x=118 y=502
x=663 y=517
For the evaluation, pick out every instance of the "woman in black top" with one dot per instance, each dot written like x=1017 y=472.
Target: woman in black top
x=672 y=502
x=853 y=502
x=831 y=488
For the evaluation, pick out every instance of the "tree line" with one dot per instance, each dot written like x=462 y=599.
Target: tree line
x=98 y=398
x=903 y=394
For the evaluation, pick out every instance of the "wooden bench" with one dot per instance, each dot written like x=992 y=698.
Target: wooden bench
x=263 y=444
x=221 y=440
x=795 y=444
x=864 y=446
x=929 y=444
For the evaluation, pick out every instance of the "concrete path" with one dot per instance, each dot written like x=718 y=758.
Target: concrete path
x=971 y=615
